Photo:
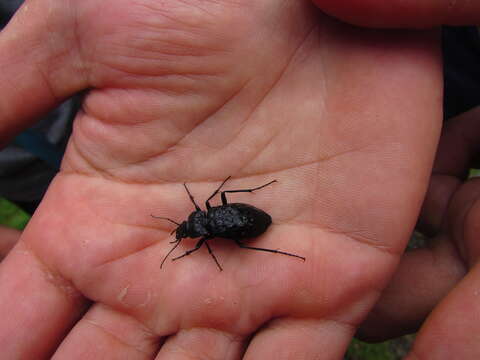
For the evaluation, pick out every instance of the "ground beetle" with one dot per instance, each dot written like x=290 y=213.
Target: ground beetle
x=235 y=221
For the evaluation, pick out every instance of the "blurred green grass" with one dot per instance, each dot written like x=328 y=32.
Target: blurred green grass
x=395 y=349
x=12 y=216
x=362 y=351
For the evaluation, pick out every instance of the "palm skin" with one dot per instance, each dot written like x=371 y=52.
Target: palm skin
x=345 y=119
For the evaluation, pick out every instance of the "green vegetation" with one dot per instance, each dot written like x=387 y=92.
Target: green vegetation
x=395 y=349
x=474 y=173
x=12 y=216
x=362 y=351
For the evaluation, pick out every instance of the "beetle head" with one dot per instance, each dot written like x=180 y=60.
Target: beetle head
x=181 y=231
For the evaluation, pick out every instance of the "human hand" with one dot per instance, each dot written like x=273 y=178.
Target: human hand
x=434 y=287
x=345 y=119
x=442 y=278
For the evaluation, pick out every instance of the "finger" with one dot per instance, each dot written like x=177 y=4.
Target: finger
x=38 y=306
x=463 y=219
x=403 y=13
x=422 y=279
x=458 y=144
x=451 y=331
x=434 y=207
x=426 y=276
x=301 y=339
x=202 y=343
x=457 y=148
x=39 y=61
x=104 y=333
x=8 y=238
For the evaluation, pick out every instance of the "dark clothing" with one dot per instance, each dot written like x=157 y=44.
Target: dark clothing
x=461 y=55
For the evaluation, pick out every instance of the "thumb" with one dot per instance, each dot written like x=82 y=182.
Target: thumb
x=40 y=61
x=403 y=13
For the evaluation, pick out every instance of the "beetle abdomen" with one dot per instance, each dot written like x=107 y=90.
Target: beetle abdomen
x=237 y=221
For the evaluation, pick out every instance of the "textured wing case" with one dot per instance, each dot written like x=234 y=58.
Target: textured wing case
x=237 y=221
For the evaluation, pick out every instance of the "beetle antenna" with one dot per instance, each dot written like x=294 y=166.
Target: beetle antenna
x=164 y=218
x=171 y=250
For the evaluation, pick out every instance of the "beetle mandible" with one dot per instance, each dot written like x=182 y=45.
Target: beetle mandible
x=233 y=221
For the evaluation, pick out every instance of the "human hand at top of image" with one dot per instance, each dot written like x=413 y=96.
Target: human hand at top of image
x=345 y=119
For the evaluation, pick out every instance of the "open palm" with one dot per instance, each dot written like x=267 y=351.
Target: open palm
x=192 y=91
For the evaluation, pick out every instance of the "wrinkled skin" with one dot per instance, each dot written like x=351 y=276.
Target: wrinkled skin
x=345 y=119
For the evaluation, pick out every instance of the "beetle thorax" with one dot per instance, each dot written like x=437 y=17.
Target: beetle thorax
x=196 y=225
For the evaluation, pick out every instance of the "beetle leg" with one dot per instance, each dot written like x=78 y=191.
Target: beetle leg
x=164 y=218
x=207 y=203
x=224 y=197
x=191 y=198
x=171 y=250
x=239 y=243
x=213 y=255
x=197 y=246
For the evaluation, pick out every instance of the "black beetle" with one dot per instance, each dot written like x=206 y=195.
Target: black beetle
x=235 y=221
